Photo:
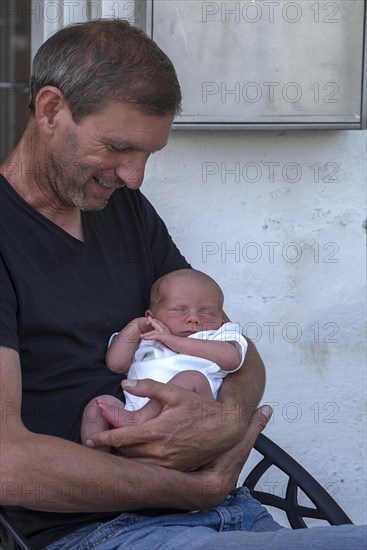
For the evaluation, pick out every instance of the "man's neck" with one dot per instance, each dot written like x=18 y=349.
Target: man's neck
x=24 y=171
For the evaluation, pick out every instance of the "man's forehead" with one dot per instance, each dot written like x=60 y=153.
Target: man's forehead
x=128 y=127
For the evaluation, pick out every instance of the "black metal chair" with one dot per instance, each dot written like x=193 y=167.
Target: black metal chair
x=325 y=507
x=10 y=538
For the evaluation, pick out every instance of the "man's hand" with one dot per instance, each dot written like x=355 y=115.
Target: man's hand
x=189 y=433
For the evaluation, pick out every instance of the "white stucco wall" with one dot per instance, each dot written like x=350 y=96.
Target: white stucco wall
x=279 y=220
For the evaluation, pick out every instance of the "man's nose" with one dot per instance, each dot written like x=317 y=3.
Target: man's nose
x=132 y=171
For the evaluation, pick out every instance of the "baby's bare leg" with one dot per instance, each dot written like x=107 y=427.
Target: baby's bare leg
x=195 y=381
x=93 y=422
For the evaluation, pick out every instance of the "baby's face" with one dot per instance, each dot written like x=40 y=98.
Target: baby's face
x=188 y=306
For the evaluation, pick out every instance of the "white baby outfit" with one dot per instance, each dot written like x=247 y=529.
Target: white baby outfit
x=153 y=359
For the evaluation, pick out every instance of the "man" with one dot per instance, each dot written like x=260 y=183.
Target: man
x=80 y=249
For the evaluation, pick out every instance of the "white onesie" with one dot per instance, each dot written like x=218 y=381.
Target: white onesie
x=154 y=360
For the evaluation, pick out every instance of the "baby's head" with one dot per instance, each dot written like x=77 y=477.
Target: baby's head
x=187 y=301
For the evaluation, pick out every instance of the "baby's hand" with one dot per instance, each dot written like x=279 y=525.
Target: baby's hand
x=159 y=332
x=144 y=324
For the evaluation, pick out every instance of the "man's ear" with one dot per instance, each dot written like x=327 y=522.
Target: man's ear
x=148 y=313
x=50 y=101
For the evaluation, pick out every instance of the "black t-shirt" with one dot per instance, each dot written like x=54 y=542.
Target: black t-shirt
x=60 y=300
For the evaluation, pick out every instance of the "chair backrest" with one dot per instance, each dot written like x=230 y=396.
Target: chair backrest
x=326 y=508
x=10 y=538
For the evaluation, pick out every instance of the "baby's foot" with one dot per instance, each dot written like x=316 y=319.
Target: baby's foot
x=114 y=412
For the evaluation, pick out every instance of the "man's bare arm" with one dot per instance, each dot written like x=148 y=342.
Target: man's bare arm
x=30 y=460
x=243 y=389
x=74 y=472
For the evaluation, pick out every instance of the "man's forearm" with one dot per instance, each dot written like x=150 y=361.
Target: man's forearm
x=243 y=389
x=47 y=473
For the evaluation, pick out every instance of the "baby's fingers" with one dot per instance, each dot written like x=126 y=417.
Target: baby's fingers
x=151 y=335
x=157 y=324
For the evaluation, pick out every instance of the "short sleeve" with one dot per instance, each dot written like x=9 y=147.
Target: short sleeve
x=8 y=309
x=112 y=338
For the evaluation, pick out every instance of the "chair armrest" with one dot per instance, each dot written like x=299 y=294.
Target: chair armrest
x=326 y=508
x=10 y=538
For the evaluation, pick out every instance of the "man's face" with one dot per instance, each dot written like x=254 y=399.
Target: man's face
x=89 y=160
x=188 y=306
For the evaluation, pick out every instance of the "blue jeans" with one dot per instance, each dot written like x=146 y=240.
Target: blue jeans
x=239 y=522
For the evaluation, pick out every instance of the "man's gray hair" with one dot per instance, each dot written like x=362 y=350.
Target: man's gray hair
x=106 y=60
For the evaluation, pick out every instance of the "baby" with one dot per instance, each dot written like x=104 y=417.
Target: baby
x=182 y=340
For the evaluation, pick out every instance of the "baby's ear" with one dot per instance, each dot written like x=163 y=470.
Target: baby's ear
x=148 y=313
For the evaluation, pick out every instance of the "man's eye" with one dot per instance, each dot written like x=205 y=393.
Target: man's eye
x=116 y=149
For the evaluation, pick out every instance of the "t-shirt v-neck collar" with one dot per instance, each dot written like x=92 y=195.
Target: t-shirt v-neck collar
x=9 y=189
